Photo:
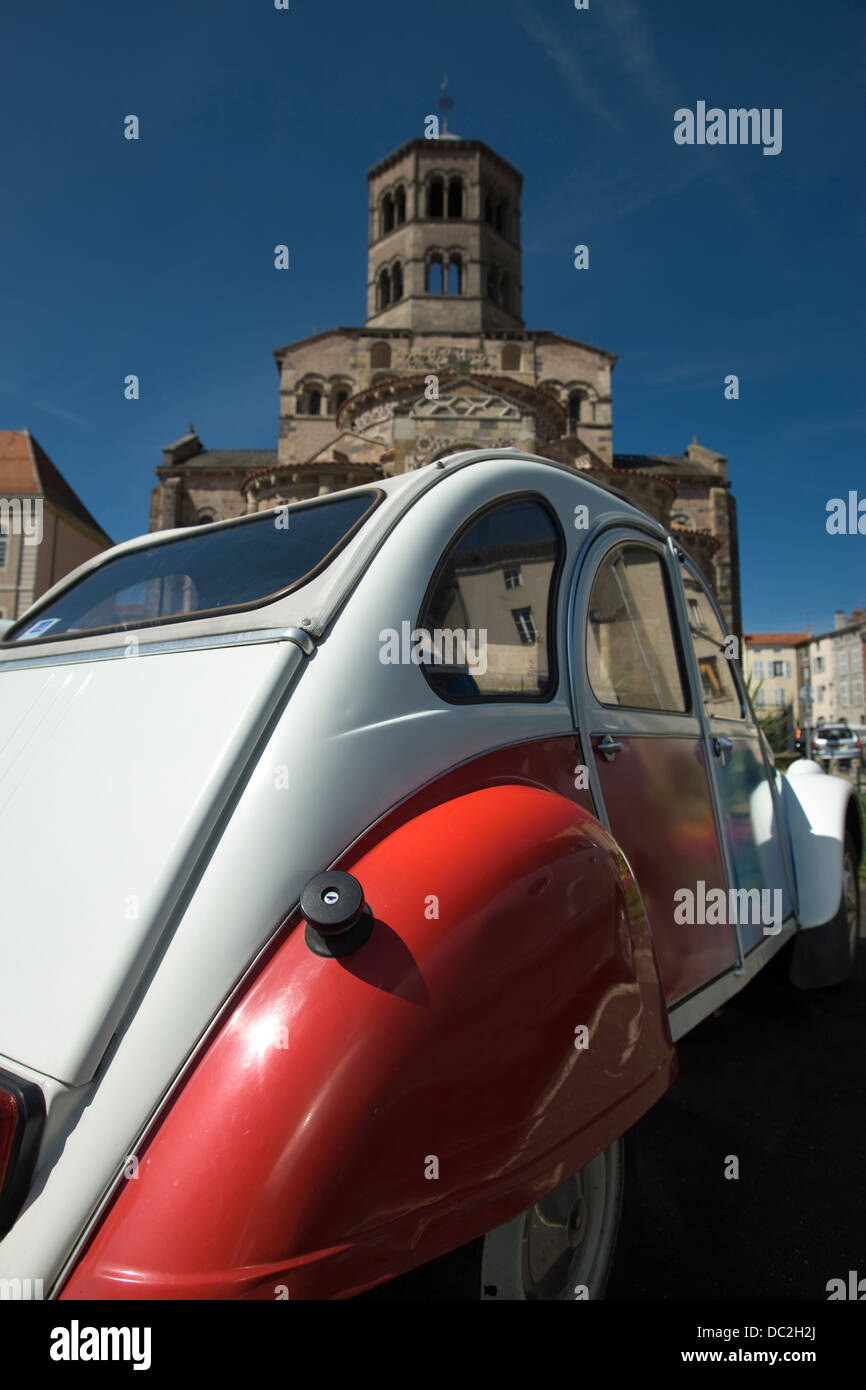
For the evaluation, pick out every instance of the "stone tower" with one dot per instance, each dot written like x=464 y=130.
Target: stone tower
x=444 y=239
x=444 y=362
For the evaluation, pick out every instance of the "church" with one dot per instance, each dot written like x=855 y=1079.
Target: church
x=444 y=362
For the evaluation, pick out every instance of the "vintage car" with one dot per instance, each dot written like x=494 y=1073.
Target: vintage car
x=363 y=862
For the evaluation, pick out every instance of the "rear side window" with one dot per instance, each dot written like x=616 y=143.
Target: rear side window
x=631 y=650
x=488 y=618
x=718 y=687
x=250 y=562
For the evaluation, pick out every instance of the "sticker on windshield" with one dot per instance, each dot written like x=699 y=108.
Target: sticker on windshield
x=37 y=629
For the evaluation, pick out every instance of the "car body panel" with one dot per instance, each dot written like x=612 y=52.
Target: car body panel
x=449 y=1037
x=92 y=894
x=817 y=811
x=338 y=758
x=662 y=783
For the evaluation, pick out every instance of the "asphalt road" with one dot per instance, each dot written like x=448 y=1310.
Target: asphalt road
x=777 y=1078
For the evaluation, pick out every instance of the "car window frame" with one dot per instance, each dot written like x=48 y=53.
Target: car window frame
x=200 y=614
x=552 y=630
x=656 y=545
x=747 y=713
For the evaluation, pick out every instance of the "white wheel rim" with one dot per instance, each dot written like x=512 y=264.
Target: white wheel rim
x=560 y=1250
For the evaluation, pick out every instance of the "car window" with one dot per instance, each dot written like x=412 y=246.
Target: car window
x=631 y=650
x=251 y=561
x=488 y=615
x=718 y=686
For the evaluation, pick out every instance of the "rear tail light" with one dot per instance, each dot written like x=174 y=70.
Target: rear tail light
x=22 y=1116
x=8 y=1127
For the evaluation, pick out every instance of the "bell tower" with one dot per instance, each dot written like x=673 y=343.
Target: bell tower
x=444 y=239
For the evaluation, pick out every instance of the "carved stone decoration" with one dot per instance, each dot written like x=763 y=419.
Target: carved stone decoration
x=468 y=358
x=467 y=404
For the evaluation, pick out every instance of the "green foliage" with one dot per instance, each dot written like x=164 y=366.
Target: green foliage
x=776 y=724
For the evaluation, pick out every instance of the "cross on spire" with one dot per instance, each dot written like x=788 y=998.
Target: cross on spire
x=446 y=102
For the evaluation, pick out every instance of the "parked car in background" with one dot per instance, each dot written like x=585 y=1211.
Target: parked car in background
x=358 y=888
x=839 y=741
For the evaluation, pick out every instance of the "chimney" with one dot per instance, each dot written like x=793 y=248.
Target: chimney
x=838 y=619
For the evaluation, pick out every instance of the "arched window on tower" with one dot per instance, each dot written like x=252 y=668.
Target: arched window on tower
x=387 y=214
x=436 y=198
x=435 y=276
x=505 y=292
x=488 y=208
x=380 y=355
x=455 y=197
x=384 y=296
x=493 y=284
x=396 y=282
x=511 y=357
x=341 y=395
x=310 y=399
x=575 y=401
x=498 y=218
x=400 y=205
x=455 y=275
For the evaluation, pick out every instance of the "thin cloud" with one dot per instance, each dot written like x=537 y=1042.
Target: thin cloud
x=622 y=40
x=632 y=45
x=574 y=71
x=9 y=388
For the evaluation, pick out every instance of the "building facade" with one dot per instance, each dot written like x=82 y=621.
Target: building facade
x=774 y=671
x=836 y=670
x=445 y=362
x=45 y=528
x=778 y=665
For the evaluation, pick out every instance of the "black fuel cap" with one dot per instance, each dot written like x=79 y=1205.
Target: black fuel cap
x=332 y=902
x=338 y=919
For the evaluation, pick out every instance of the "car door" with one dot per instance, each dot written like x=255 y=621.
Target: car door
x=643 y=731
x=743 y=779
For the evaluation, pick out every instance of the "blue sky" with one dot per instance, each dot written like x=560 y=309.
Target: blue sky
x=257 y=127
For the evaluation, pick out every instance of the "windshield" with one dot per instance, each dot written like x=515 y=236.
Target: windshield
x=226 y=568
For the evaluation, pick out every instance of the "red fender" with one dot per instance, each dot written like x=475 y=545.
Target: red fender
x=431 y=1088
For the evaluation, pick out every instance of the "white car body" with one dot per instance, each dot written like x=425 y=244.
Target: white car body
x=150 y=849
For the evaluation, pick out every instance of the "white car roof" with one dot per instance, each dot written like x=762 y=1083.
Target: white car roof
x=312 y=606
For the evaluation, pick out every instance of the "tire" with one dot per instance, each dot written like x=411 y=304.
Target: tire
x=824 y=956
x=562 y=1248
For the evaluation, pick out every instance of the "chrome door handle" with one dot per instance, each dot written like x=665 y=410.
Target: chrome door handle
x=608 y=748
x=723 y=747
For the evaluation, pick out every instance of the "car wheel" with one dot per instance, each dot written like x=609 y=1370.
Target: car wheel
x=824 y=956
x=850 y=904
x=562 y=1248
